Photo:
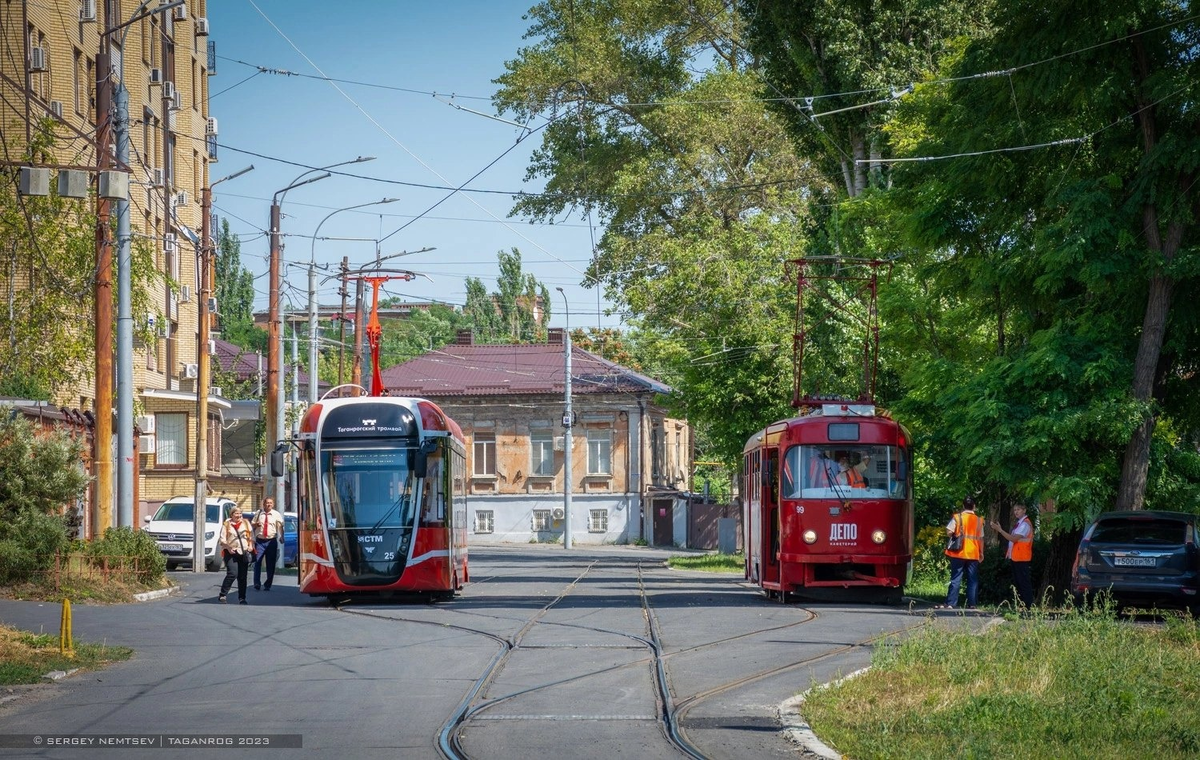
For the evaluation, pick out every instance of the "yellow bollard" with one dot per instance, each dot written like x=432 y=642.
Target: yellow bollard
x=66 y=642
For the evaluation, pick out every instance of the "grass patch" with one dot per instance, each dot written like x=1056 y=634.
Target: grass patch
x=929 y=589
x=709 y=563
x=115 y=590
x=25 y=657
x=1082 y=684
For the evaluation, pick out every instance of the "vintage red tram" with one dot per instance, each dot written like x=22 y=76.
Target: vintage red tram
x=827 y=504
x=382 y=498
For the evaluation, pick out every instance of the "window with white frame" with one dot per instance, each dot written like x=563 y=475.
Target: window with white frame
x=171 y=447
x=598 y=521
x=541 y=448
x=542 y=520
x=484 y=454
x=599 y=443
x=485 y=520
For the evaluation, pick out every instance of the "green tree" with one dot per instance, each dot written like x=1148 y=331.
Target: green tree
x=234 y=291
x=509 y=315
x=39 y=471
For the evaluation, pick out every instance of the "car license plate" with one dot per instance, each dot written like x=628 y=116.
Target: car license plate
x=1135 y=561
x=172 y=548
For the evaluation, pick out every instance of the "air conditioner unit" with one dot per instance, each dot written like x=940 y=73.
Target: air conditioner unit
x=37 y=58
x=146 y=445
x=191 y=371
x=210 y=126
x=177 y=100
x=185 y=293
x=558 y=513
x=212 y=306
x=201 y=26
x=212 y=347
x=181 y=198
x=215 y=390
x=168 y=89
x=156 y=76
x=559 y=443
x=164 y=330
x=56 y=108
x=170 y=243
x=146 y=424
x=87 y=10
x=180 y=13
x=156 y=178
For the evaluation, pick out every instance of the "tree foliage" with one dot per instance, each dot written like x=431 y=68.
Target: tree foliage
x=40 y=471
x=511 y=314
x=234 y=291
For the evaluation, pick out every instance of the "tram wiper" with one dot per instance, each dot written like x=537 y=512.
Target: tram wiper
x=391 y=509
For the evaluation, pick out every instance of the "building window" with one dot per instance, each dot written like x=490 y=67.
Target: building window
x=598 y=521
x=542 y=520
x=484 y=454
x=171 y=431
x=484 y=520
x=599 y=443
x=541 y=446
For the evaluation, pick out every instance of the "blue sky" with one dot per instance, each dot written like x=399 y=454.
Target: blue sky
x=389 y=57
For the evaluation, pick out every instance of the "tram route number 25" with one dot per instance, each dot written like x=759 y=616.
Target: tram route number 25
x=388 y=556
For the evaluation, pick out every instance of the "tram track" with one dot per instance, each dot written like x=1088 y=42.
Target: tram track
x=671 y=710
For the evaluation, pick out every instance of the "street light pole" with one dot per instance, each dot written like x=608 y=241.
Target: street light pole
x=312 y=299
x=200 y=495
x=118 y=99
x=568 y=420
x=274 y=411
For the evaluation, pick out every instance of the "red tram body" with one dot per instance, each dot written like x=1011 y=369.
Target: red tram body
x=828 y=508
x=382 y=498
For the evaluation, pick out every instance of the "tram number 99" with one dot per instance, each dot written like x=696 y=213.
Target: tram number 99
x=799 y=509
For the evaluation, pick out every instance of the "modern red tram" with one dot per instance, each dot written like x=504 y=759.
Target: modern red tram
x=382 y=498
x=827 y=505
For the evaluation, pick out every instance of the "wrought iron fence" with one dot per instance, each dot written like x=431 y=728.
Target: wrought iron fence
x=78 y=566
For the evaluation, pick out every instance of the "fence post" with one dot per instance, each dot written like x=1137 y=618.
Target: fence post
x=66 y=639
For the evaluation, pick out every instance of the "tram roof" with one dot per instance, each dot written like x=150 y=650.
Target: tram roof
x=498 y=370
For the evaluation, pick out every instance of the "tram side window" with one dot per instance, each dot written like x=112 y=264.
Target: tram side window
x=840 y=471
x=433 y=496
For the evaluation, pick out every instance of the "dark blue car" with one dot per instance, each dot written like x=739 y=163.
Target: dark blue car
x=291 y=538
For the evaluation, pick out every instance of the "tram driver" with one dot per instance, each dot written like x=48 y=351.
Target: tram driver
x=852 y=474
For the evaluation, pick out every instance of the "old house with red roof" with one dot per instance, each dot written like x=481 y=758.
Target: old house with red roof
x=631 y=462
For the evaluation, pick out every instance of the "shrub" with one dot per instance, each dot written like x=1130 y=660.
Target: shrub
x=125 y=545
x=28 y=545
x=929 y=554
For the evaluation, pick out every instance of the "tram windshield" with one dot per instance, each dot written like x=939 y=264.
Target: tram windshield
x=368 y=488
x=838 y=471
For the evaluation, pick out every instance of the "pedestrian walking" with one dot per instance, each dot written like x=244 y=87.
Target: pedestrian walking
x=965 y=550
x=1020 y=552
x=268 y=534
x=237 y=547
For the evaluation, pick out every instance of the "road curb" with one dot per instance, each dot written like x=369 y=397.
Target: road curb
x=148 y=596
x=796 y=728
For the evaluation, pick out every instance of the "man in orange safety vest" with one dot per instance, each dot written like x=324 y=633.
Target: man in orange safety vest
x=965 y=560
x=1020 y=552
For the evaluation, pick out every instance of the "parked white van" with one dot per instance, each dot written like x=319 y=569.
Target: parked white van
x=171 y=527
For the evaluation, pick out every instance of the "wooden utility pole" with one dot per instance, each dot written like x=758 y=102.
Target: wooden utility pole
x=102 y=462
x=342 y=321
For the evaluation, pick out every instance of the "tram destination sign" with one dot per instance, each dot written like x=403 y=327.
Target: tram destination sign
x=369 y=420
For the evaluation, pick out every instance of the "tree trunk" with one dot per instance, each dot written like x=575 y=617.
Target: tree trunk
x=859 y=150
x=1056 y=575
x=1131 y=492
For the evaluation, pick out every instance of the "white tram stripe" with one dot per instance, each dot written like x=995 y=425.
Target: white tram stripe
x=429 y=555
x=315 y=558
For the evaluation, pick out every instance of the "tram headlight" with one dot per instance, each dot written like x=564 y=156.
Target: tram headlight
x=878 y=536
x=810 y=536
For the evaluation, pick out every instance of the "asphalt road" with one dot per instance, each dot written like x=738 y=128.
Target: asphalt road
x=594 y=653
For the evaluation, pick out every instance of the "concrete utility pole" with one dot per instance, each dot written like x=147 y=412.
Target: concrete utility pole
x=200 y=496
x=342 y=322
x=568 y=421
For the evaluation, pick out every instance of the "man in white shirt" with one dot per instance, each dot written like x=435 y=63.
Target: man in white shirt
x=1020 y=552
x=268 y=535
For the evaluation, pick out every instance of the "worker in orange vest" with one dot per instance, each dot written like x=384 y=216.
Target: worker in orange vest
x=1020 y=552
x=852 y=475
x=967 y=558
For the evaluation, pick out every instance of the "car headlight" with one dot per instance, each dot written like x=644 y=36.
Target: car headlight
x=878 y=536
x=810 y=536
x=209 y=534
